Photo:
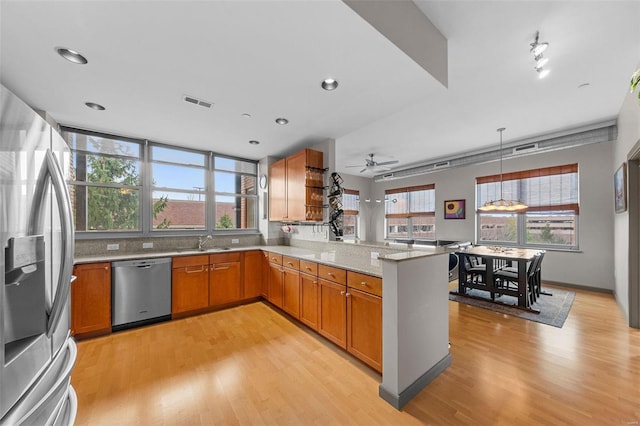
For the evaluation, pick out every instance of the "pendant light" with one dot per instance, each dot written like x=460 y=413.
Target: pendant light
x=503 y=205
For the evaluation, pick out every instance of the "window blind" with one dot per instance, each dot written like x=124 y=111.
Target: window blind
x=351 y=201
x=545 y=189
x=410 y=201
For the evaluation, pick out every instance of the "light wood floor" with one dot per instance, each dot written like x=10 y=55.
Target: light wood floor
x=251 y=365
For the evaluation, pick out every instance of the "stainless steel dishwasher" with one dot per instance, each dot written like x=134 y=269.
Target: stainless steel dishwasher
x=141 y=292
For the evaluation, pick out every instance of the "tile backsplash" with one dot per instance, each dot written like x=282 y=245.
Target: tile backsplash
x=113 y=246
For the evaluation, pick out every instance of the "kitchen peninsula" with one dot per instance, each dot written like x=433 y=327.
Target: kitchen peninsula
x=412 y=316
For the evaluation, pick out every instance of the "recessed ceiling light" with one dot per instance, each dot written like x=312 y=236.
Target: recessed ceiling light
x=282 y=121
x=329 y=84
x=254 y=142
x=245 y=115
x=71 y=55
x=95 y=106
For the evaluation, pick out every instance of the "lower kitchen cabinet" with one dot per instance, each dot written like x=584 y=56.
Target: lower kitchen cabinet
x=364 y=327
x=252 y=268
x=333 y=312
x=190 y=284
x=309 y=300
x=291 y=292
x=264 y=290
x=91 y=299
x=225 y=285
x=275 y=284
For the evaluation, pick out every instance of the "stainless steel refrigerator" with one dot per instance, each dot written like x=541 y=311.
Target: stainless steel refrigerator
x=37 y=353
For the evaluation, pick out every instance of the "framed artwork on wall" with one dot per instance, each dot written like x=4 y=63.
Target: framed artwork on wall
x=454 y=209
x=620 y=188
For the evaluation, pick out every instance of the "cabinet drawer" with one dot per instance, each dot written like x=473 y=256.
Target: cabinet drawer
x=330 y=273
x=224 y=257
x=364 y=282
x=291 y=262
x=307 y=267
x=182 y=261
x=275 y=258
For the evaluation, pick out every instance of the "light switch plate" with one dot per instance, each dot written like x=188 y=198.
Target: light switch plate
x=113 y=246
x=147 y=245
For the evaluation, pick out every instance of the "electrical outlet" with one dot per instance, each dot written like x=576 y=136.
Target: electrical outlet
x=235 y=241
x=113 y=246
x=147 y=245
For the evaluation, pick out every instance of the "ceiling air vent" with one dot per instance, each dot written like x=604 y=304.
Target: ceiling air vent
x=196 y=101
x=441 y=165
x=525 y=148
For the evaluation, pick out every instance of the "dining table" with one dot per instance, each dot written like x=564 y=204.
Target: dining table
x=492 y=256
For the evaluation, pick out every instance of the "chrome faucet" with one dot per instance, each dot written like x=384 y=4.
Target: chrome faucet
x=202 y=241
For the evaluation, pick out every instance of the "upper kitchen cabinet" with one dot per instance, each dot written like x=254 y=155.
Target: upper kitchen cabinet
x=296 y=187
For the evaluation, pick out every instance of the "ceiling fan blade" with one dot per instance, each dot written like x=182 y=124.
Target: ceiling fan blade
x=359 y=165
x=384 y=163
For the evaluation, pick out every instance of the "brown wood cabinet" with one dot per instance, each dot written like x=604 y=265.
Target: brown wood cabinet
x=275 y=280
x=225 y=285
x=296 y=187
x=332 y=322
x=291 y=288
x=190 y=283
x=91 y=299
x=364 y=327
x=309 y=297
x=278 y=190
x=252 y=268
x=264 y=290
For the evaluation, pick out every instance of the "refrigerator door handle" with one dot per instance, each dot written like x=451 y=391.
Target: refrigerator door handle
x=51 y=171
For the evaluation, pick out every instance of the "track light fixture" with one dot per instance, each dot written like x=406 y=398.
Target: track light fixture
x=537 y=49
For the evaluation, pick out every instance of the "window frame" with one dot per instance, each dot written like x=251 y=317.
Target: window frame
x=146 y=192
x=409 y=215
x=522 y=217
x=353 y=212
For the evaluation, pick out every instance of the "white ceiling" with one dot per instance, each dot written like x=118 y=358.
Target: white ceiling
x=267 y=58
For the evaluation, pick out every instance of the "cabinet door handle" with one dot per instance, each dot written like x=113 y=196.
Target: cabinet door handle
x=193 y=271
x=348 y=294
x=342 y=293
x=307 y=268
x=314 y=282
x=220 y=268
x=275 y=259
x=289 y=263
x=363 y=283
x=330 y=274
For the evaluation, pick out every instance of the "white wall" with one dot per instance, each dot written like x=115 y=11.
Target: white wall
x=628 y=136
x=591 y=266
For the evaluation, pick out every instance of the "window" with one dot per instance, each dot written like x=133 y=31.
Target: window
x=410 y=213
x=105 y=182
x=351 y=206
x=236 y=198
x=551 y=221
x=178 y=191
x=120 y=185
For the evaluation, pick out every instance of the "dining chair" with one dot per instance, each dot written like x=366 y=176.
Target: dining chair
x=508 y=279
x=476 y=269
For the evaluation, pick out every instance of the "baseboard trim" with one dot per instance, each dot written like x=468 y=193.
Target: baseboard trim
x=578 y=287
x=399 y=401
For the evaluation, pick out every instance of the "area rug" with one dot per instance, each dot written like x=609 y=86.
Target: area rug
x=553 y=309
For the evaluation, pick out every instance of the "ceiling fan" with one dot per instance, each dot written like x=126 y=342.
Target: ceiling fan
x=372 y=164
